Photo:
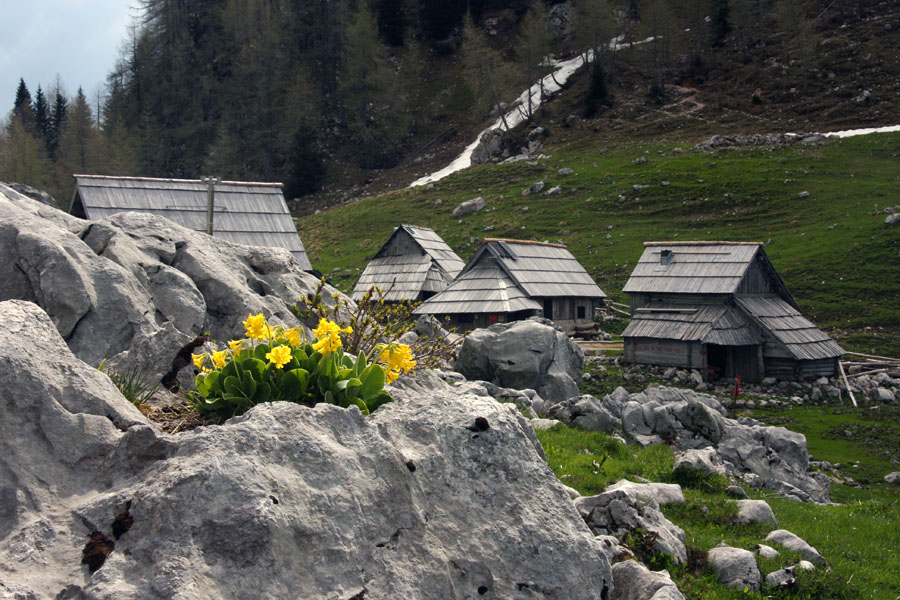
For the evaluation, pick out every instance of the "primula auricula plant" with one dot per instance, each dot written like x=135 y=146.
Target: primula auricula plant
x=274 y=363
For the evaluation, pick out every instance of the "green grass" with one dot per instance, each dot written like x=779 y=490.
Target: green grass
x=836 y=255
x=860 y=539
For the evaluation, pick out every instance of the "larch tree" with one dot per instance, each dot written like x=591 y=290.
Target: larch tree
x=533 y=50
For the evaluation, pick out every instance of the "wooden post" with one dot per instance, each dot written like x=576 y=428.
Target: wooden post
x=847 y=383
x=210 y=200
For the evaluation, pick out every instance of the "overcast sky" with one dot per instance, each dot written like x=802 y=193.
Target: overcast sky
x=77 y=39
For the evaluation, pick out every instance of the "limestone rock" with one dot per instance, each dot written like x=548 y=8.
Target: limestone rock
x=407 y=503
x=634 y=581
x=660 y=493
x=765 y=551
x=735 y=567
x=892 y=478
x=136 y=288
x=524 y=354
x=469 y=206
x=755 y=511
x=619 y=512
x=794 y=543
x=614 y=550
x=704 y=460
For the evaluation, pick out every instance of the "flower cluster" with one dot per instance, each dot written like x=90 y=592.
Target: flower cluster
x=398 y=358
x=275 y=363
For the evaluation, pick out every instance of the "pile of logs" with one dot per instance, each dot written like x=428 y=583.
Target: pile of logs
x=867 y=364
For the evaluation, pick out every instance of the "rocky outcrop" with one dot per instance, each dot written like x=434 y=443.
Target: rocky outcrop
x=620 y=512
x=717 y=142
x=695 y=424
x=136 y=288
x=531 y=354
x=284 y=501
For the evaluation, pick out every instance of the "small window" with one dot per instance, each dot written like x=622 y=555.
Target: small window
x=581 y=312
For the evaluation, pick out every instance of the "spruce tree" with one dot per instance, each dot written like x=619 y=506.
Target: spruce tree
x=42 y=122
x=58 y=116
x=22 y=107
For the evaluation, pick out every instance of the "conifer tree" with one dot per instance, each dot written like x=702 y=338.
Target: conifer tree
x=58 y=115
x=22 y=106
x=719 y=23
x=533 y=49
x=42 y=121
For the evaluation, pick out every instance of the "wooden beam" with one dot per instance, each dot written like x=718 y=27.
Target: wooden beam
x=847 y=384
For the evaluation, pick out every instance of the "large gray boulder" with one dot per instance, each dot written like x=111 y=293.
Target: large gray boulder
x=136 y=288
x=525 y=354
x=285 y=501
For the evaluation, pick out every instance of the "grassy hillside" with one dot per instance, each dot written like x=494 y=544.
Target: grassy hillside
x=833 y=249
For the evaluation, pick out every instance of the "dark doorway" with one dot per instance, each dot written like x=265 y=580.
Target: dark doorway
x=548 y=308
x=716 y=362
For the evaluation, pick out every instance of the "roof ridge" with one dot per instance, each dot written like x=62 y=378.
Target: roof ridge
x=702 y=243
x=527 y=242
x=169 y=180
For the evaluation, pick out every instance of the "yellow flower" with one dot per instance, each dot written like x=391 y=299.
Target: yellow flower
x=398 y=357
x=218 y=358
x=328 y=336
x=257 y=327
x=198 y=359
x=293 y=336
x=207 y=370
x=390 y=376
x=236 y=345
x=279 y=356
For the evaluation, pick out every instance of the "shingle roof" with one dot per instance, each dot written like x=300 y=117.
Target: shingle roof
x=505 y=276
x=483 y=288
x=706 y=323
x=253 y=214
x=695 y=267
x=798 y=335
x=404 y=277
x=542 y=270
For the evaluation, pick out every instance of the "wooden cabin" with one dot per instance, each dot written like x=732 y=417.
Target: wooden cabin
x=413 y=265
x=252 y=214
x=510 y=280
x=721 y=308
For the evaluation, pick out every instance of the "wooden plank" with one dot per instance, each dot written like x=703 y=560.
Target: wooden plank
x=847 y=383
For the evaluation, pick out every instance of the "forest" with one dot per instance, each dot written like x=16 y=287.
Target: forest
x=321 y=92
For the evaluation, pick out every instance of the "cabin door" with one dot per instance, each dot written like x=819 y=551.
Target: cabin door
x=548 y=308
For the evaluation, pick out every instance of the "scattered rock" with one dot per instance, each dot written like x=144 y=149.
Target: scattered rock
x=736 y=491
x=755 y=511
x=795 y=544
x=803 y=195
x=660 y=493
x=554 y=190
x=893 y=478
x=766 y=551
x=634 y=581
x=566 y=170
x=469 y=206
x=891 y=219
x=735 y=567
x=782 y=578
